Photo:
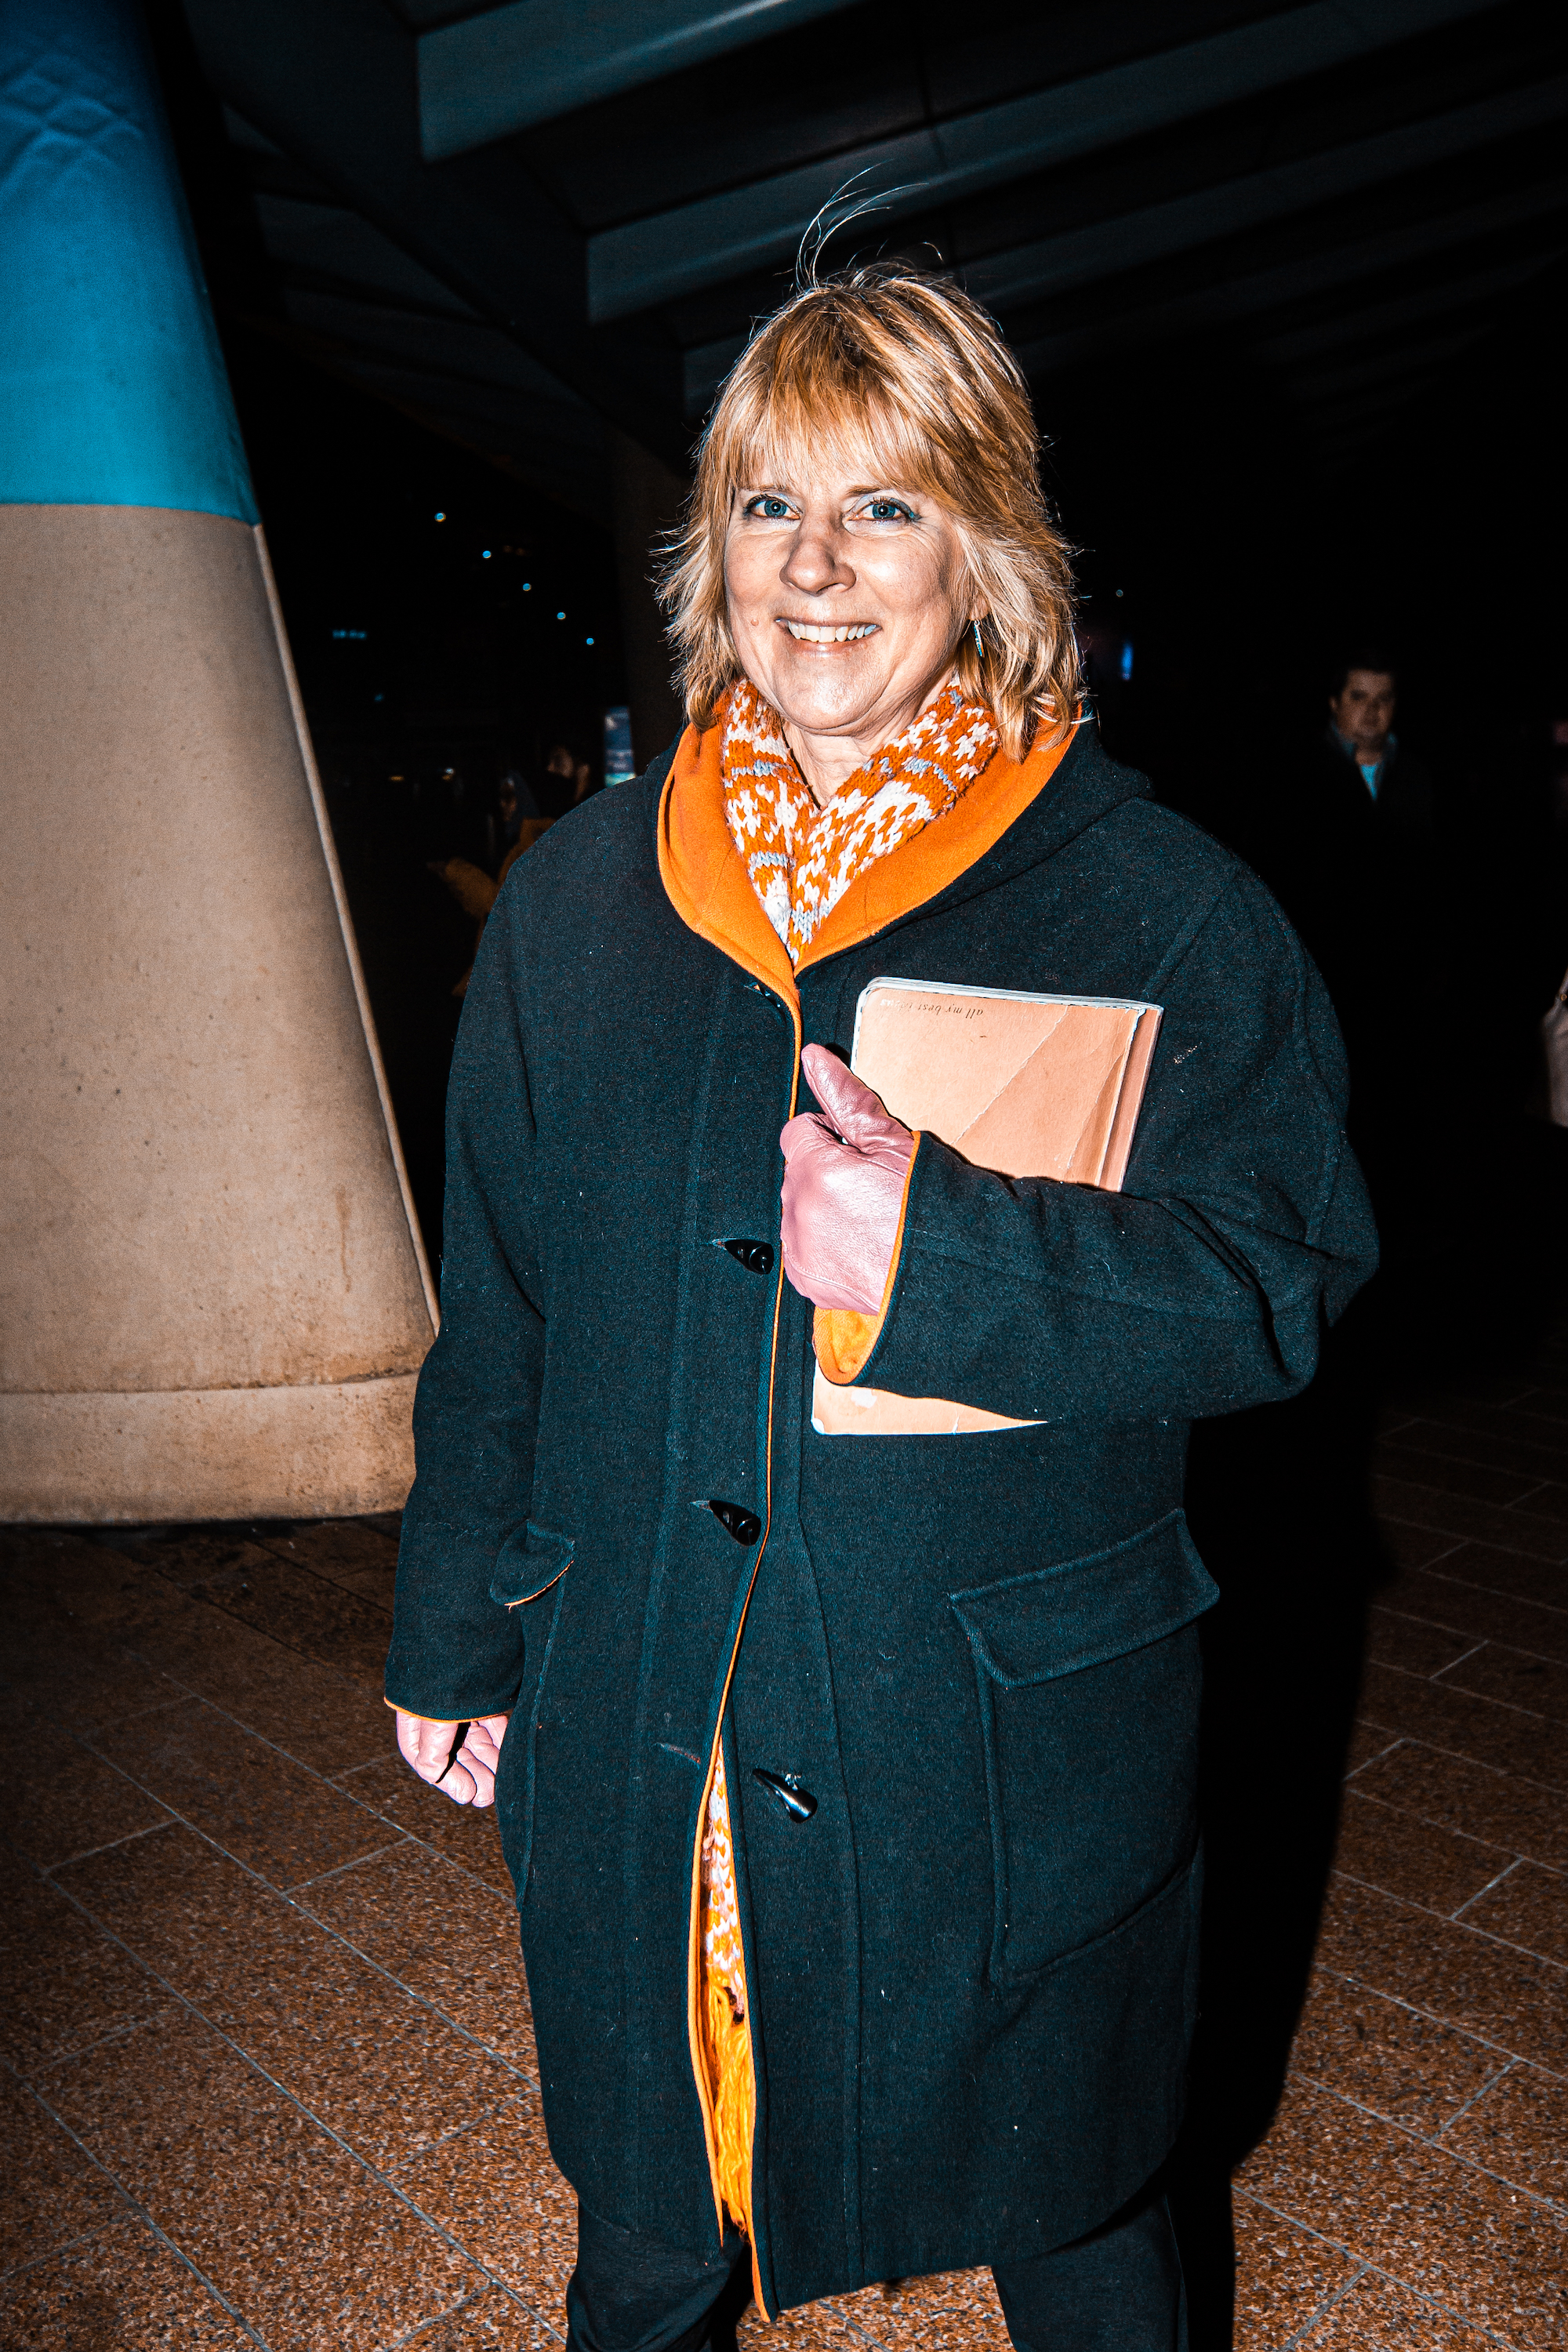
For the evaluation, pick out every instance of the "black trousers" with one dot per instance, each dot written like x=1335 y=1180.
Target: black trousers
x=1118 y=2290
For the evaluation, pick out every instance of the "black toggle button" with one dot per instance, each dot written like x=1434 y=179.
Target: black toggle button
x=757 y=1257
x=798 y=1802
x=744 y=1525
x=755 y=988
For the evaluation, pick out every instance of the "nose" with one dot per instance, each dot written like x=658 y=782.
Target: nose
x=817 y=562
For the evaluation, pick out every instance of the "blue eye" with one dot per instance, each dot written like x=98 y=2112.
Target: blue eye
x=889 y=510
x=770 y=509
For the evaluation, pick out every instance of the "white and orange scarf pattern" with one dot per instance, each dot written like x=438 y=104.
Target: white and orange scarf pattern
x=725 y=2032
x=802 y=858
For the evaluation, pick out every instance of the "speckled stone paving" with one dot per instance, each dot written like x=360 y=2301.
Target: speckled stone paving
x=267 y=2063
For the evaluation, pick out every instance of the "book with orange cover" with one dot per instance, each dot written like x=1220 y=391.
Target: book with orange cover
x=1029 y=1085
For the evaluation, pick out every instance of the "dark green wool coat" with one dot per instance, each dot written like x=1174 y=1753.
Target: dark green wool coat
x=972 y=1968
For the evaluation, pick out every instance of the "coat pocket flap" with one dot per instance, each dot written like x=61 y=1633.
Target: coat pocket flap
x=1029 y=1629
x=529 y=1562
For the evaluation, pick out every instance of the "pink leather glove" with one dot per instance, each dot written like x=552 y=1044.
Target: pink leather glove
x=843 y=1188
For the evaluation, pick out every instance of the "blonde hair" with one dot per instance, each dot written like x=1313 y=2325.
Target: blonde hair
x=883 y=357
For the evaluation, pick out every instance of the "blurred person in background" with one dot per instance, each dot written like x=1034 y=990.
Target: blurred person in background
x=515 y=804
x=1347 y=843
x=573 y=772
x=515 y=825
x=1360 y=734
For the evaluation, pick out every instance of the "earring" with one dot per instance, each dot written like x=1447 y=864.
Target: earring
x=979 y=647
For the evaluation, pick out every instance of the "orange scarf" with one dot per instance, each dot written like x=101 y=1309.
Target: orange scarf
x=802 y=858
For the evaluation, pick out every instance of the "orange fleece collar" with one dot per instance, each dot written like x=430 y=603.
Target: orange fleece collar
x=708 y=885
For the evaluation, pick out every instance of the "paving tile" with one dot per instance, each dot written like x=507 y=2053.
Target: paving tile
x=1439 y=1868
x=58 y=1799
x=496 y=2191
x=141 y=1638
x=1547 y=1401
x=1283 y=2276
x=326 y=1719
x=1376 y=2315
x=67 y=1606
x=811 y=2327
x=304 y=1613
x=1450 y=1473
x=1519 y=2130
x=313 y=2249
x=1422 y=1506
x=347 y=1552
x=1516 y=1574
x=121 y=2289
x=466 y=1834
x=1387 y=2057
x=362 y=2055
x=1510 y=1999
x=1491 y=1384
x=448 y=1938
x=53 y=2192
x=1530 y=1908
x=63 y=1984
x=1413 y=1644
x=1475 y=1797
x=1517 y=1678
x=1411 y=1547
x=190 y=1555
x=1482 y=1728
x=1448 y=1595
x=1550 y=1502
x=1367 y=1740
x=957 y=2310
x=238 y=1791
x=492 y=2322
x=1492 y=2256
x=1494 y=1435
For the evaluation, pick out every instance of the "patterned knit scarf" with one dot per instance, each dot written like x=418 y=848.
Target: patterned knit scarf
x=802 y=858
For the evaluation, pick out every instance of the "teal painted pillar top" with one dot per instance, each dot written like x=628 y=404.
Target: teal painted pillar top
x=112 y=387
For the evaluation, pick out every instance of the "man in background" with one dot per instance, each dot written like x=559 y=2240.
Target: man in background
x=1348 y=848
x=1362 y=702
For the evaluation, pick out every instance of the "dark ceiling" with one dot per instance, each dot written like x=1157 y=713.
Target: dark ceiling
x=521 y=221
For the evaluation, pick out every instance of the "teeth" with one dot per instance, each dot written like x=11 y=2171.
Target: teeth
x=808 y=632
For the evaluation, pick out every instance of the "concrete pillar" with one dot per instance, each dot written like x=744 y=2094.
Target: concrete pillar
x=648 y=499
x=213 y=1299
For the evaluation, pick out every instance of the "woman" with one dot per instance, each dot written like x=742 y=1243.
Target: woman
x=847 y=1783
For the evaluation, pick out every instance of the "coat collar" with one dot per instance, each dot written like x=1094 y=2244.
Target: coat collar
x=709 y=888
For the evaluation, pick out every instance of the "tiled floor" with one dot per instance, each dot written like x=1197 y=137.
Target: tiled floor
x=268 y=2061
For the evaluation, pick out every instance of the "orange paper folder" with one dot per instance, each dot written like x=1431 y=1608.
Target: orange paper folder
x=1030 y=1085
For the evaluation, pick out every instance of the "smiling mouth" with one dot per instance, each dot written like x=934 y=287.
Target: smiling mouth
x=809 y=632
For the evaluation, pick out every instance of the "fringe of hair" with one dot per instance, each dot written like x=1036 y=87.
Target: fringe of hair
x=884 y=356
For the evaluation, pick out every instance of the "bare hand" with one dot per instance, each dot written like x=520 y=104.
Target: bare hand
x=843 y=1189
x=468 y=1777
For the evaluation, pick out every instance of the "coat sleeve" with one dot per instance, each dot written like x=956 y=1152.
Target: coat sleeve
x=1200 y=1289
x=456 y=1652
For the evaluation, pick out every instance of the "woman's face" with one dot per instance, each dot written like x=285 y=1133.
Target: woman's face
x=847 y=596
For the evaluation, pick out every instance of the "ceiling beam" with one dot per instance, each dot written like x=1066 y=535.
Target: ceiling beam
x=1231 y=291
x=488 y=77
x=333 y=83
x=1474 y=296
x=645 y=262
x=1053 y=265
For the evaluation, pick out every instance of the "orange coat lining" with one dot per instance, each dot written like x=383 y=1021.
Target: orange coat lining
x=707 y=884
